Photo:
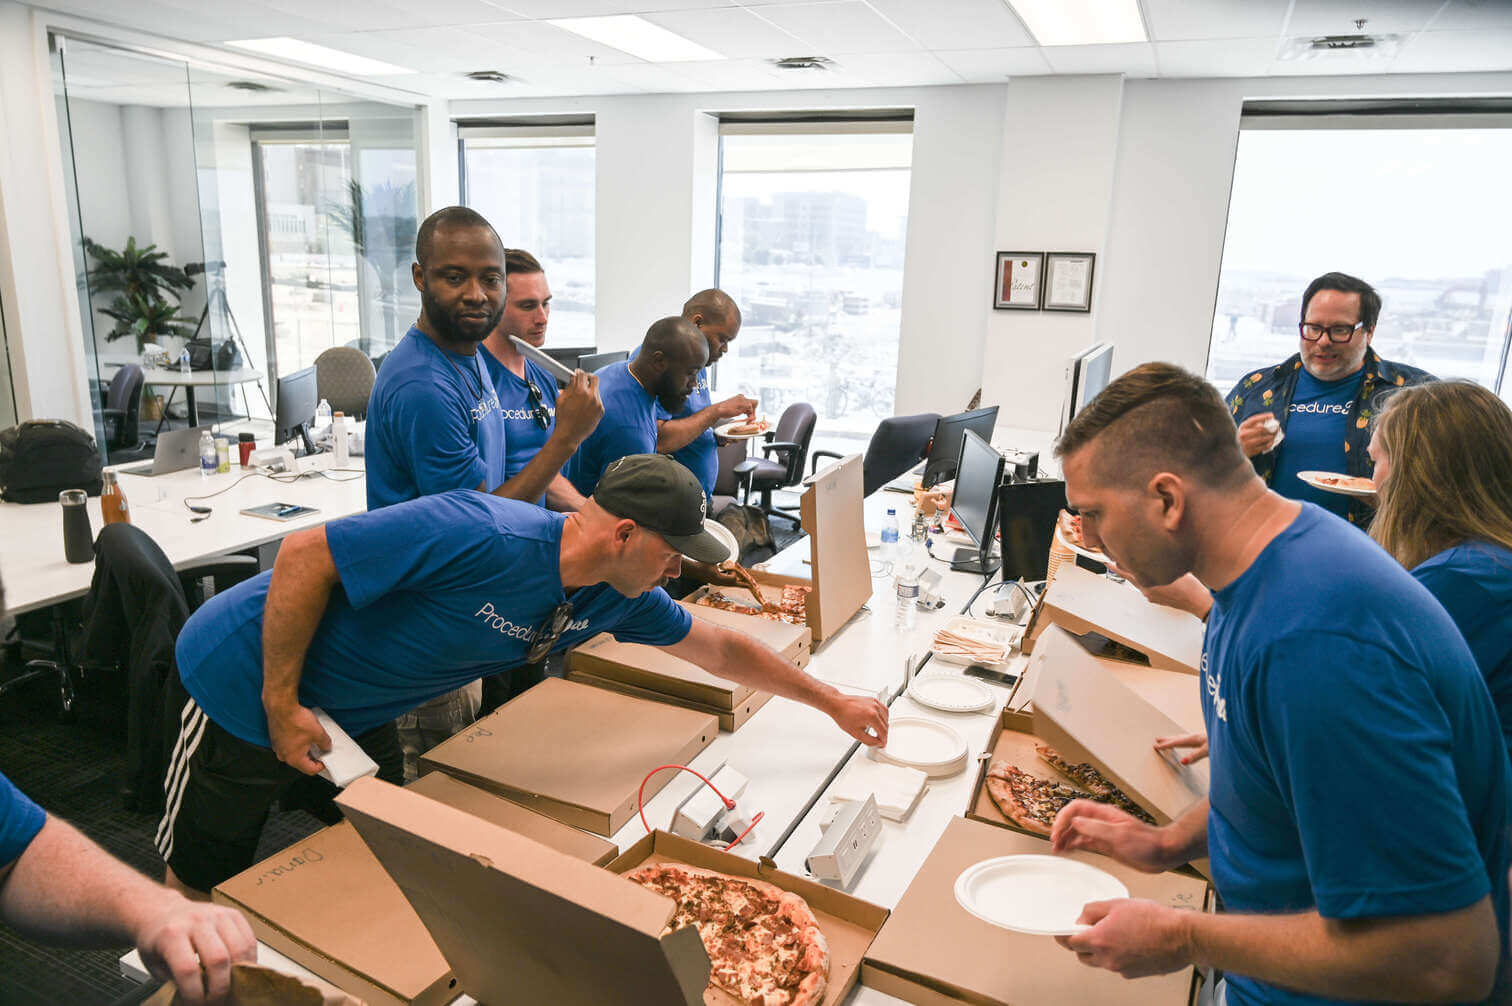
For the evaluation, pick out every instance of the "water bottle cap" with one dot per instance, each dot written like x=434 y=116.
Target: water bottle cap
x=892 y=511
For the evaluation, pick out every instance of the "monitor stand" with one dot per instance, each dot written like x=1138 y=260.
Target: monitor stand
x=970 y=560
x=304 y=439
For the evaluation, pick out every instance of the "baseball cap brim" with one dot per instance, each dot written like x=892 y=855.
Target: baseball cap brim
x=705 y=546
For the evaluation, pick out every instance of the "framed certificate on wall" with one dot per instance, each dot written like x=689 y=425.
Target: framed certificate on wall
x=1068 y=281
x=1017 y=286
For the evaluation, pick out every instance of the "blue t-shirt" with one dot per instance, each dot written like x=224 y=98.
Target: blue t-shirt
x=1473 y=582
x=20 y=820
x=433 y=425
x=701 y=457
x=628 y=427
x=1358 y=764
x=434 y=593
x=1315 y=426
x=524 y=435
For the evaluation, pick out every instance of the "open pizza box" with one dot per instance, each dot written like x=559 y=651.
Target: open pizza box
x=841 y=580
x=326 y=902
x=730 y=720
x=849 y=924
x=1101 y=611
x=933 y=951
x=574 y=752
x=518 y=921
x=1175 y=693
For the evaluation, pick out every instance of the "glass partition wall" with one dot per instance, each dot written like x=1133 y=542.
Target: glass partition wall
x=253 y=220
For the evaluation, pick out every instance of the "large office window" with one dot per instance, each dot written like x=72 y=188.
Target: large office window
x=812 y=226
x=1419 y=209
x=535 y=184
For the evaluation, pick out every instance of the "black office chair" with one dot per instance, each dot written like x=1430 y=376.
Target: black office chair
x=784 y=450
x=121 y=408
x=896 y=445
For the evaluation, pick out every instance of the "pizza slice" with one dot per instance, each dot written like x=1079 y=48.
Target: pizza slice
x=1028 y=801
x=1094 y=782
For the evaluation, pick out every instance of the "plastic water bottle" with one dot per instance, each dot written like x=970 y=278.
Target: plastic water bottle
x=890 y=533
x=907 y=585
x=339 y=445
x=184 y=367
x=209 y=462
x=322 y=414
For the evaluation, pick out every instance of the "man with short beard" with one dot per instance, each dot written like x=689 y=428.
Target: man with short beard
x=663 y=374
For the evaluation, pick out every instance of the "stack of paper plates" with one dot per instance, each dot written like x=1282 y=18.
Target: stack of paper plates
x=932 y=748
x=951 y=693
x=1039 y=895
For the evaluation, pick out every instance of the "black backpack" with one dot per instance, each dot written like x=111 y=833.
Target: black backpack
x=42 y=457
x=203 y=355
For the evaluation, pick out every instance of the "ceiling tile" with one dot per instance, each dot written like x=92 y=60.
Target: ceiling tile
x=1177 y=20
x=992 y=66
x=1468 y=14
x=547 y=41
x=425 y=50
x=1456 y=52
x=731 y=32
x=600 y=8
x=1342 y=64
x=1337 y=17
x=898 y=69
x=834 y=29
x=956 y=24
x=1137 y=59
x=1219 y=57
x=746 y=75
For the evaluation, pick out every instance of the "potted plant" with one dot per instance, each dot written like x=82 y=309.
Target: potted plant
x=147 y=291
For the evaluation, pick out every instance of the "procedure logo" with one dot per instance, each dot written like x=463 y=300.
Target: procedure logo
x=1320 y=409
x=525 y=633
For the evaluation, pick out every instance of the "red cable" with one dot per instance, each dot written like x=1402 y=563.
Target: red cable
x=640 y=796
x=754 y=822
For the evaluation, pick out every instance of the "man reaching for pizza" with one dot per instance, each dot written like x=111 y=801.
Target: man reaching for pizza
x=1358 y=819
x=369 y=616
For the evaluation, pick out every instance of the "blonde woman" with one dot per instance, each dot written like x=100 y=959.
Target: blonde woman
x=1443 y=472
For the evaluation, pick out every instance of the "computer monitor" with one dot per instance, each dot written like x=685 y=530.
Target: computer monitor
x=592 y=363
x=295 y=413
x=1087 y=374
x=945 y=448
x=1027 y=512
x=979 y=473
x=567 y=356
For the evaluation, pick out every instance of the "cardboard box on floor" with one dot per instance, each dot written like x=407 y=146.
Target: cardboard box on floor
x=520 y=922
x=574 y=752
x=327 y=903
x=849 y=925
x=730 y=720
x=1082 y=602
x=932 y=951
x=835 y=521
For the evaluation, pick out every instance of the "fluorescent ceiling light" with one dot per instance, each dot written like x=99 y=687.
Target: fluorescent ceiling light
x=318 y=55
x=638 y=37
x=1082 y=22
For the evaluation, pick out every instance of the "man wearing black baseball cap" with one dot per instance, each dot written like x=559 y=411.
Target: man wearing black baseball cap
x=369 y=616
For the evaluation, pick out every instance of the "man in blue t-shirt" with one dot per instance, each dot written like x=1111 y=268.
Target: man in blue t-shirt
x=367 y=616
x=662 y=375
x=527 y=393
x=688 y=433
x=1358 y=819
x=1312 y=412
x=434 y=422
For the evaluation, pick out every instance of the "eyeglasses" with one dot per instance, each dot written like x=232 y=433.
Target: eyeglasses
x=538 y=406
x=1336 y=333
x=550 y=632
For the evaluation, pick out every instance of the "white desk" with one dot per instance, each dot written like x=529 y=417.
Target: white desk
x=31 y=535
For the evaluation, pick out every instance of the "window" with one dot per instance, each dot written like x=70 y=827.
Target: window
x=812 y=223
x=535 y=184
x=1420 y=211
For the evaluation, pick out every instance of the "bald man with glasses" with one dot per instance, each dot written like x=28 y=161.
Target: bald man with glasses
x=1312 y=412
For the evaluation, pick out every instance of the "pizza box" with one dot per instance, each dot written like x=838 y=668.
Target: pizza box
x=933 y=951
x=519 y=921
x=1012 y=740
x=574 y=752
x=1174 y=693
x=326 y=902
x=730 y=720
x=1102 y=610
x=849 y=924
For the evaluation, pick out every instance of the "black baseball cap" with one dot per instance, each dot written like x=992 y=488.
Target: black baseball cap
x=661 y=495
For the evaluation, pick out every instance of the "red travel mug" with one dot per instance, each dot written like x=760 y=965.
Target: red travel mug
x=246 y=443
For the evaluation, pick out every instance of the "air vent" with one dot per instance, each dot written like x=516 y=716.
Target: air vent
x=803 y=63
x=489 y=76
x=251 y=85
x=1361 y=46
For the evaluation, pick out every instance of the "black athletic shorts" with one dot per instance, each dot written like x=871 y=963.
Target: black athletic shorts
x=219 y=789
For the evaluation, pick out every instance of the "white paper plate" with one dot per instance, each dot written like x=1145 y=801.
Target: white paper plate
x=1085 y=553
x=951 y=693
x=1038 y=895
x=932 y=748
x=724 y=431
x=1315 y=479
x=725 y=535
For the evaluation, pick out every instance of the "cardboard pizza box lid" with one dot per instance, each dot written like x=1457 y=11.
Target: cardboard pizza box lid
x=931 y=950
x=574 y=752
x=849 y=924
x=730 y=720
x=792 y=641
x=516 y=817
x=521 y=922
x=1087 y=714
x=834 y=518
x=1082 y=602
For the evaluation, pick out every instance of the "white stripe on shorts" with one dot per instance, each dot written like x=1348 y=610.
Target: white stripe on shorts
x=190 y=733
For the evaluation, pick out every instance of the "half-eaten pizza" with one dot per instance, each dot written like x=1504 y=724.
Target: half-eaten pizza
x=792 y=609
x=764 y=943
x=1032 y=802
x=749 y=429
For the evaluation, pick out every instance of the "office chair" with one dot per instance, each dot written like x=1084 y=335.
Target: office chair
x=789 y=443
x=344 y=377
x=896 y=445
x=122 y=406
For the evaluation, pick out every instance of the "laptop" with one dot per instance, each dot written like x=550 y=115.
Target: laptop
x=175 y=451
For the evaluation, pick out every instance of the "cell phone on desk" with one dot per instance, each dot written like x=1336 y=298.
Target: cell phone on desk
x=280 y=511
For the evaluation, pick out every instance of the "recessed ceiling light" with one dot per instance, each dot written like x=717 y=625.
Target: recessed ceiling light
x=803 y=63
x=318 y=55
x=1082 y=22
x=638 y=37
x=488 y=76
